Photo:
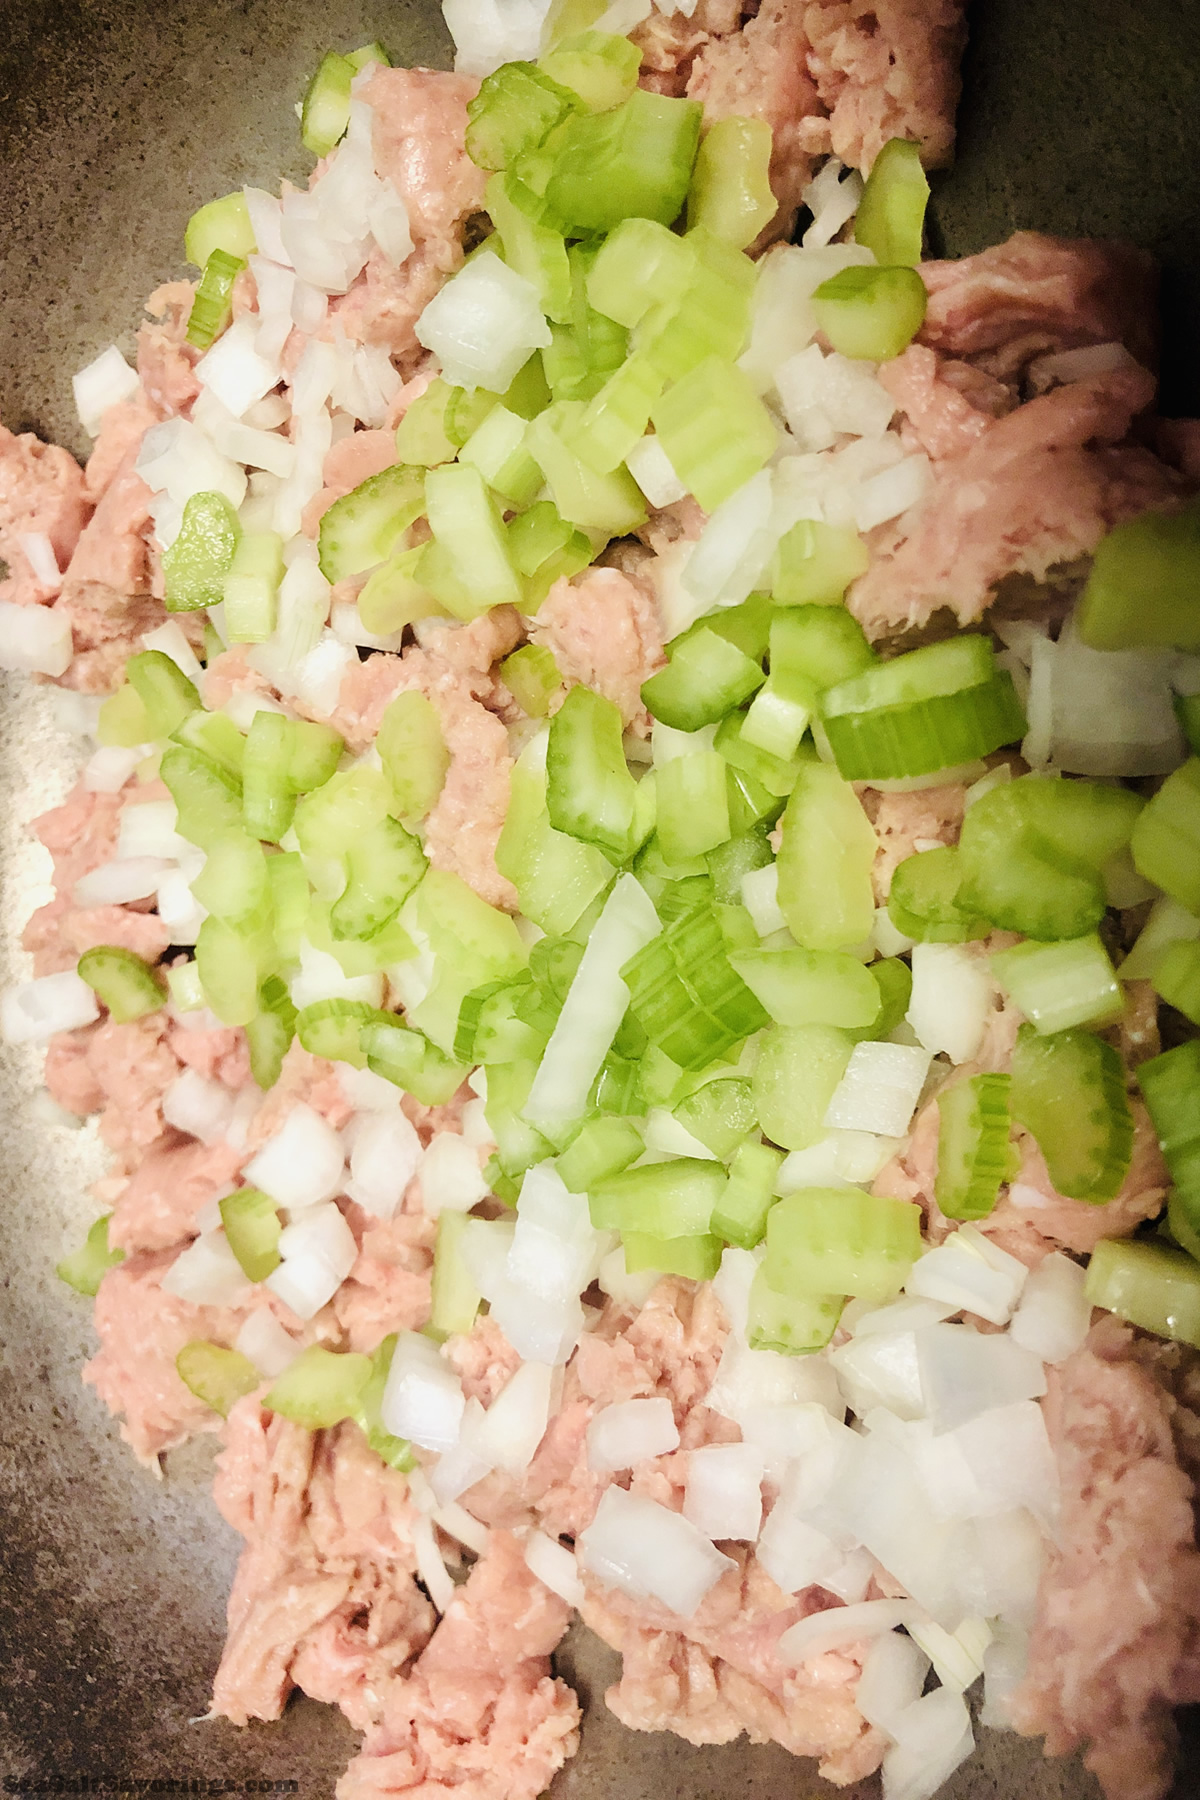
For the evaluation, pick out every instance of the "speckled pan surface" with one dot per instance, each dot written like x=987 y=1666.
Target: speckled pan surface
x=117 y=118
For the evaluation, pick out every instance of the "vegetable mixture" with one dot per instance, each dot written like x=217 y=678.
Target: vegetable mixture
x=632 y=913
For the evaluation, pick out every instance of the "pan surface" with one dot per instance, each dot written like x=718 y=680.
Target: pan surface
x=116 y=120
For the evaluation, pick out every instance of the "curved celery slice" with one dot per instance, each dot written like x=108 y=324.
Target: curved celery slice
x=740 y=1215
x=518 y=1143
x=207 y=798
x=923 y=900
x=408 y=1059
x=715 y=430
x=841 y=1241
x=233 y=884
x=251 y=587
x=1142 y=586
x=611 y=503
x=687 y=997
x=825 y=862
x=893 y=978
x=222 y=224
x=454 y=1298
x=413 y=752
x=672 y=1199
x=489 y=1029
x=383 y=866
x=515 y=109
x=212 y=307
x=532 y=677
x=1148 y=1284
x=815 y=564
x=711 y=318
x=602 y=1147
x=1069 y=1091
x=691 y=805
x=798 y=1069
x=922 y=736
x=730 y=194
x=269 y=1033
x=776 y=774
x=973 y=1146
x=741 y=854
x=196 y=564
x=811 y=987
x=215 y=736
x=164 y=690
x=706 y=677
x=535 y=250
x=421 y=438
x=125 y=984
x=333 y=1029
x=825 y=643
x=291 y=902
x=545 y=548
x=557 y=877
x=695 y=1258
x=230 y=965
x=84 y=1269
x=364 y=526
x=720 y=1114
x=1170 y=1085
x=635 y=160
x=397 y=1452
x=590 y=793
x=215 y=1375
x=640 y=264
x=268 y=796
x=1060 y=985
x=891 y=213
x=252 y=1226
x=325 y=109
x=330 y=819
x=790 y=1324
x=599 y=67
x=1183 y=1221
x=1166 y=837
x=871 y=313
x=313 y=754
x=321 y=1388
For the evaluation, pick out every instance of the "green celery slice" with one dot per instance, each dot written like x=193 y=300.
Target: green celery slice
x=815 y=564
x=891 y=213
x=640 y=264
x=635 y=160
x=923 y=899
x=740 y=1215
x=269 y=1033
x=164 y=690
x=1166 y=837
x=383 y=867
x=739 y=856
x=686 y=996
x=325 y=109
x=811 y=987
x=590 y=793
x=1068 y=1090
x=841 y=1241
x=720 y=1115
x=798 y=1070
x=973 y=1157
x=1170 y=1086
x=207 y=798
x=397 y=1452
x=212 y=307
x=532 y=677
x=231 y=965
x=695 y=1258
x=730 y=194
x=706 y=677
x=825 y=862
x=218 y=1376
x=421 y=438
x=84 y=1269
x=252 y=1226
x=1142 y=586
x=222 y=224
x=599 y=67
x=793 y=1324
x=268 y=797
x=1150 y=1285
x=691 y=805
x=1177 y=978
x=252 y=586
x=715 y=430
x=233 y=884
x=556 y=875
x=672 y=1199
x=333 y=1029
x=364 y=526
x=1060 y=985
x=871 y=313
x=123 y=983
x=196 y=564
x=321 y=1388
x=601 y=1148
x=515 y=109
x=454 y=1298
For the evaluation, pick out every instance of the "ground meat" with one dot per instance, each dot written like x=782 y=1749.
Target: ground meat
x=388 y=1287
x=1116 y=1643
x=42 y=492
x=604 y=631
x=177 y=1179
x=884 y=69
x=350 y=461
x=133 y=1066
x=121 y=432
x=947 y=405
x=907 y=823
x=1032 y=1203
x=166 y=362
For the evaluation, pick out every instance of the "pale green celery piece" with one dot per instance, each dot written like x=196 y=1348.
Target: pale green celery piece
x=798 y=1069
x=692 y=807
x=217 y=1376
x=795 y=1324
x=731 y=192
x=696 y=1258
x=532 y=677
x=640 y=264
x=233 y=884
x=715 y=430
x=811 y=987
x=331 y=818
x=1168 y=923
x=599 y=67
x=497 y=449
x=252 y=586
x=841 y=1241
x=167 y=695
x=320 y=1388
x=414 y=755
x=871 y=314
x=421 y=438
x=124 y=719
x=472 y=936
x=536 y=251
x=467 y=528
x=183 y=985
x=231 y=965
x=222 y=224
x=268 y=798
x=740 y=1215
x=252 y=1227
x=1060 y=985
x=325 y=109
x=815 y=564
x=455 y=1299
x=394 y=596
x=610 y=503
x=825 y=862
x=122 y=981
x=290 y=901
x=195 y=565
x=1150 y=1285
x=212 y=307
x=84 y=1269
x=557 y=877
x=891 y=213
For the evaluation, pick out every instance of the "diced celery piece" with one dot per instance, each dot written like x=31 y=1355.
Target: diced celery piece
x=794 y=1079
x=394 y=595
x=489 y=1029
x=330 y=819
x=497 y=449
x=776 y=774
x=545 y=548
x=811 y=987
x=84 y=1269
x=1060 y=985
x=470 y=934
x=923 y=901
x=196 y=564
x=408 y=1059
x=815 y=564
x=217 y=1376
x=383 y=867
x=931 y=709
x=1150 y=1285
x=124 y=719
x=667 y=1199
x=557 y=877
x=611 y=503
x=413 y=753
x=290 y=902
x=891 y=213
x=320 y=1388
x=269 y=1033
x=421 y=438
x=841 y=1241
x=212 y=307
x=720 y=1115
x=208 y=800
x=692 y=803
x=333 y=1029
x=794 y=1324
x=364 y=527
x=730 y=194
x=1166 y=837
x=687 y=997
x=973 y=1156
x=268 y=798
x=514 y=110
x=467 y=528
x=599 y=67
x=715 y=430
x=894 y=981
x=634 y=160
x=1142 y=586
x=825 y=862
x=252 y=1226
x=871 y=313
x=233 y=884
x=706 y=677
x=639 y=265
x=454 y=1298
x=711 y=318
x=740 y=1215
x=122 y=982
x=222 y=224
x=325 y=109
x=216 y=737
x=532 y=677
x=1068 y=1090
x=616 y=417
x=230 y=968
x=1177 y=978
x=535 y=250
x=695 y=1258
x=183 y=987
x=824 y=643
x=252 y=585
x=164 y=690
x=518 y=1143
x=373 y=52
x=589 y=791
x=601 y=1148
x=313 y=756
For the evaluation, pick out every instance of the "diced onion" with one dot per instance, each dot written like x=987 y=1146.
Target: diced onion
x=322 y=977
x=893 y=1676
x=32 y=1011
x=732 y=551
x=207 y=1273
x=384 y=1157
x=723 y=1496
x=487 y=33
x=629 y=1432
x=515 y=1423
x=832 y=196
x=450 y=1176
x=115 y=883
x=970 y=1273
x=825 y=396
x=654 y=472
x=263 y=1339
x=555 y=1567
x=839 y=1626
x=1054 y=1314
x=483 y=324
x=431 y=1567
x=181 y=913
x=34 y=639
x=104 y=382
x=39 y=554
x=886 y=495
x=197 y=1105
x=423 y=1399
x=937 y=1737
x=952 y=994
x=964 y=1374
x=760 y=897
x=645 y=1549
x=880 y=1089
x=301 y=1164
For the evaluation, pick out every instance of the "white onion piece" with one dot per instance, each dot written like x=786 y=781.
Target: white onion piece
x=957 y=1656
x=951 y=1000
x=795 y=1554
x=654 y=472
x=321 y=977
x=198 y=1106
x=1111 y=711
x=629 y=1290
x=733 y=549
x=38 y=552
x=893 y=491
x=783 y=319
x=148 y=828
x=450 y=1176
x=555 y=1567
x=629 y=1432
x=539 y=1329
x=34 y=639
x=321 y=1230
x=367 y=1092
x=235 y=370
x=207 y=1273
x=115 y=883
x=555 y=1251
x=423 y=1399
x=749 y=1380
x=643 y=1549
x=266 y=216
x=515 y=1423
x=960 y=1277
x=1035 y=747
x=818 y=1448
x=826 y=396
x=169 y=639
x=838 y=1159
x=431 y=1569
x=937 y=1737
x=301 y=1164
x=457 y=1523
x=881 y=1370
x=732 y=1283
x=878 y=1499
x=263 y=1339
x=1054 y=1314
x=32 y=1011
x=760 y=897
x=832 y=196
x=1009 y=1461
x=893 y=1676
x=665 y=1136
x=964 y=1373
x=384 y=1157
x=487 y=33
x=880 y=1089
x=723 y=1496
x=483 y=324
x=897 y=1315
x=460 y=1467
x=1005 y=1664
x=593 y=1009
x=104 y=382
x=998 y=1565
x=839 y=1626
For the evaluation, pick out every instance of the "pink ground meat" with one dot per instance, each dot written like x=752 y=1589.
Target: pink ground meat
x=41 y=493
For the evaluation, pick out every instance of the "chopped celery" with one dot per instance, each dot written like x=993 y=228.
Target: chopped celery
x=793 y=1324
x=930 y=709
x=291 y=901
x=373 y=52
x=334 y=816
x=602 y=342
x=325 y=109
x=841 y=1241
x=454 y=1298
x=396 y=594
x=706 y=677
x=474 y=937
x=544 y=548
x=1177 y=978
x=715 y=430
x=557 y=877
x=533 y=248
x=781 y=713
x=314 y=754
x=413 y=753
x=421 y=438
x=216 y=737
x=776 y=774
x=634 y=160
x=320 y=1389
x=1068 y=1090
x=811 y=987
x=923 y=901
x=518 y=1143
x=617 y=1089
x=1060 y=985
x=233 y=884
x=252 y=1226
x=222 y=224
x=269 y=1033
x=692 y=805
x=891 y=213
x=532 y=677
x=825 y=862
x=1166 y=837
x=383 y=866
x=617 y=415
x=674 y=899
x=364 y=526
x=333 y=1029
x=268 y=797
x=815 y=564
x=894 y=981
x=229 y=962
x=196 y=564
x=124 y=719
x=672 y=1199
x=720 y=1114
x=252 y=585
x=601 y=1148
x=468 y=530
x=497 y=449
x=730 y=194
x=207 y=798
x=1148 y=1284
x=599 y=67
x=1143 y=582
x=408 y=1059
x=164 y=690
x=798 y=1069
x=611 y=503
x=696 y=1258
x=712 y=318
x=736 y=857
x=589 y=791
x=84 y=1269
x=122 y=982
x=1170 y=1086
x=973 y=1156
x=217 y=1376
x=397 y=1452
x=515 y=109
x=639 y=265
x=740 y=1215
x=212 y=307
x=490 y=1030
x=871 y=313
x=183 y=986
x=687 y=997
